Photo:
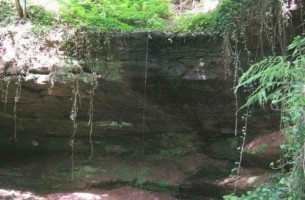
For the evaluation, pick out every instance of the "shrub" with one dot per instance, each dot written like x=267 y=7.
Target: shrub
x=123 y=15
x=215 y=23
x=6 y=11
x=39 y=16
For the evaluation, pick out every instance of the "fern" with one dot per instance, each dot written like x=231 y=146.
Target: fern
x=123 y=15
x=279 y=81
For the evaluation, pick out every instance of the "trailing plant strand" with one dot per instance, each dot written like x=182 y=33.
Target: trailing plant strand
x=279 y=81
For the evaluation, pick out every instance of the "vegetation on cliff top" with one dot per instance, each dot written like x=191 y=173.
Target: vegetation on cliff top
x=117 y=15
x=123 y=15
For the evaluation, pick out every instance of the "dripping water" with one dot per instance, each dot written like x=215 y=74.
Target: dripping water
x=144 y=105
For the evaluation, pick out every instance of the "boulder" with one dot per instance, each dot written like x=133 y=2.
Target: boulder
x=263 y=149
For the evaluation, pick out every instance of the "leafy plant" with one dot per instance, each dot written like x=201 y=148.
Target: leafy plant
x=278 y=191
x=279 y=80
x=40 y=16
x=44 y=20
x=6 y=11
x=122 y=15
x=216 y=23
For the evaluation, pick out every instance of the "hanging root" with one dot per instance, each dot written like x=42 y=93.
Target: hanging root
x=90 y=113
x=16 y=100
x=52 y=79
x=244 y=131
x=73 y=116
x=7 y=81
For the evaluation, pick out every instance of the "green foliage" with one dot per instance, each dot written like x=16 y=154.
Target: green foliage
x=40 y=16
x=189 y=22
x=6 y=11
x=241 y=23
x=278 y=191
x=43 y=20
x=279 y=80
x=216 y=23
x=122 y=15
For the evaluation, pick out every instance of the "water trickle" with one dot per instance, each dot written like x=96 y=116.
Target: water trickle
x=144 y=102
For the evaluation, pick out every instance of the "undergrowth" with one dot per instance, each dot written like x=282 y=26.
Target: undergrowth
x=43 y=19
x=6 y=12
x=121 y=15
x=277 y=190
x=215 y=23
x=279 y=81
x=275 y=80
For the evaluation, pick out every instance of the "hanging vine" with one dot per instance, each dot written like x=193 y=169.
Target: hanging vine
x=52 y=79
x=16 y=100
x=279 y=81
x=241 y=149
x=7 y=81
x=257 y=29
x=73 y=116
x=94 y=84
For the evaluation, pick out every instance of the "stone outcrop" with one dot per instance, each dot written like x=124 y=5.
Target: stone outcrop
x=264 y=150
x=185 y=85
x=157 y=102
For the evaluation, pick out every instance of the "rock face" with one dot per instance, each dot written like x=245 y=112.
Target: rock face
x=264 y=149
x=152 y=104
x=258 y=155
x=184 y=88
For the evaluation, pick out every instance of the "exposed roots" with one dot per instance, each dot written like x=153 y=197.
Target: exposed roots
x=16 y=100
x=91 y=110
x=73 y=116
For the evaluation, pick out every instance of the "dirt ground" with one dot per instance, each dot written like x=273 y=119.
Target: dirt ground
x=124 y=193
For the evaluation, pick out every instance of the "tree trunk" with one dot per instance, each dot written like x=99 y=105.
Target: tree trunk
x=24 y=10
x=19 y=8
